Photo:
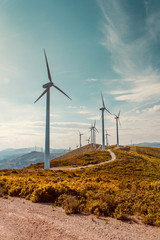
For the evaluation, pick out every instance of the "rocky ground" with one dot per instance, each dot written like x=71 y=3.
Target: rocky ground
x=23 y=220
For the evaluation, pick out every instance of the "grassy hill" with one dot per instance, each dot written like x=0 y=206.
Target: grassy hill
x=77 y=157
x=128 y=186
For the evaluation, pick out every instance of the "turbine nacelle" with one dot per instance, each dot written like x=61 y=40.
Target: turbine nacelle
x=48 y=85
x=103 y=108
x=117 y=116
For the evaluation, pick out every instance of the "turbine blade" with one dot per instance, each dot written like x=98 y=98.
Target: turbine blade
x=49 y=75
x=96 y=129
x=42 y=94
x=94 y=123
x=61 y=91
x=102 y=100
x=108 y=110
x=119 y=114
x=119 y=122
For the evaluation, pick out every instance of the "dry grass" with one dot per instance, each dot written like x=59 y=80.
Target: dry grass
x=127 y=186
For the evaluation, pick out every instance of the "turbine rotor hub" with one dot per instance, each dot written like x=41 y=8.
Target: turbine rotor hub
x=47 y=85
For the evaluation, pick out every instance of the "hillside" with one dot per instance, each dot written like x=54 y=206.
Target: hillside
x=148 y=144
x=74 y=158
x=128 y=186
x=20 y=158
x=77 y=151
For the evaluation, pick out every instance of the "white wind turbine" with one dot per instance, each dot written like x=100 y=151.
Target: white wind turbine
x=47 y=87
x=80 y=139
x=107 y=141
x=102 y=109
x=88 y=140
x=91 y=130
x=94 y=129
x=117 y=120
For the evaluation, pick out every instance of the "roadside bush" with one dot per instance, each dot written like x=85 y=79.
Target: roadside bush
x=71 y=204
x=44 y=194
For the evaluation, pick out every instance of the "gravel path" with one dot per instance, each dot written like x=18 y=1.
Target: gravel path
x=23 y=220
x=113 y=157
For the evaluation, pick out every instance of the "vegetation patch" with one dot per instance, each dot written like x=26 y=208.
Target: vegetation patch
x=125 y=187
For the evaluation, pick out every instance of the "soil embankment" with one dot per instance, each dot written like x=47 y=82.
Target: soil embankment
x=23 y=220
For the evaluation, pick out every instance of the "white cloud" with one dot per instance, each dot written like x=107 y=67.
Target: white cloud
x=131 y=57
x=5 y=80
x=92 y=80
x=83 y=112
x=70 y=123
x=97 y=117
x=72 y=107
x=154 y=109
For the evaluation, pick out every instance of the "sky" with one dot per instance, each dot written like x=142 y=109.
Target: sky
x=92 y=46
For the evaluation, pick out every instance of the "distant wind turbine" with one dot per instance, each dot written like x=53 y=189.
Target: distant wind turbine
x=102 y=109
x=91 y=130
x=107 y=141
x=117 y=120
x=88 y=140
x=47 y=87
x=94 y=133
x=80 y=138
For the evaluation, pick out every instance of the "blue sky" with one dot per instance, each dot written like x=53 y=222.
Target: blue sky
x=111 y=46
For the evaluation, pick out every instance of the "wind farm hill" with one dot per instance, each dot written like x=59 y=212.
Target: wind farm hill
x=77 y=157
x=126 y=188
x=80 y=150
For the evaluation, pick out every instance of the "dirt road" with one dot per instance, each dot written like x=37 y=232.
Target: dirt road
x=23 y=220
x=113 y=157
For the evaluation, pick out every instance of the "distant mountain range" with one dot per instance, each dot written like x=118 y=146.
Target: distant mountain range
x=147 y=144
x=23 y=157
x=20 y=158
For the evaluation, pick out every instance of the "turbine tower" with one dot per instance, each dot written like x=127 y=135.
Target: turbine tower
x=80 y=137
x=102 y=109
x=47 y=87
x=107 y=142
x=91 y=130
x=117 y=119
x=94 y=129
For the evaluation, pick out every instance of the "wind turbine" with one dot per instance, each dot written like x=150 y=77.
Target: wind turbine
x=91 y=130
x=102 y=109
x=117 y=119
x=94 y=133
x=80 y=134
x=47 y=87
x=107 y=142
x=88 y=140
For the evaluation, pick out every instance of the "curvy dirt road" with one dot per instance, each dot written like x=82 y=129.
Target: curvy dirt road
x=113 y=157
